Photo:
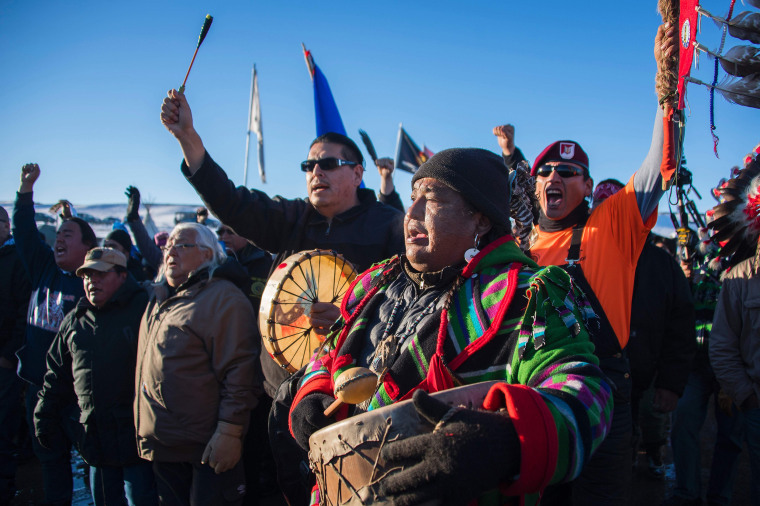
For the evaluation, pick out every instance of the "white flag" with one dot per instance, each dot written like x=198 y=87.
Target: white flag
x=254 y=122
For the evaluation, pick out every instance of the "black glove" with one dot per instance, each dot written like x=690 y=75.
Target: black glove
x=308 y=417
x=133 y=205
x=470 y=453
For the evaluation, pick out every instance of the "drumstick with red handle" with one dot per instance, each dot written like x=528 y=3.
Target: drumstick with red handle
x=204 y=31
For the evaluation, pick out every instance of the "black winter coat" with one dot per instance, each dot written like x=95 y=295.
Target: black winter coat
x=14 y=300
x=93 y=359
x=364 y=235
x=662 y=343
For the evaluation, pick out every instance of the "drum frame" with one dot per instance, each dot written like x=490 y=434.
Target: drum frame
x=271 y=305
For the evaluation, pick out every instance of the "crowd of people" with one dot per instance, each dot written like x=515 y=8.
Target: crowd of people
x=145 y=354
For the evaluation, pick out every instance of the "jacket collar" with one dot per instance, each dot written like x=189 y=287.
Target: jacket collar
x=120 y=299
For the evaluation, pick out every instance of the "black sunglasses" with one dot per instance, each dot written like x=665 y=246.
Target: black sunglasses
x=329 y=163
x=563 y=170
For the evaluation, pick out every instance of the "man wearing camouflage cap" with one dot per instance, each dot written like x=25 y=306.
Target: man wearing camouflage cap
x=92 y=359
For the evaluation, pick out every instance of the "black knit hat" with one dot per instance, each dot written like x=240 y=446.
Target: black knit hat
x=478 y=174
x=121 y=237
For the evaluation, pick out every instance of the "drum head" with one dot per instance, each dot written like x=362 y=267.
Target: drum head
x=298 y=282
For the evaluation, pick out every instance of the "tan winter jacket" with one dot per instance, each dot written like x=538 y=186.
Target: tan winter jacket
x=198 y=362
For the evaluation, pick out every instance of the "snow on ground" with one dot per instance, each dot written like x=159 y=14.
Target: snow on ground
x=102 y=216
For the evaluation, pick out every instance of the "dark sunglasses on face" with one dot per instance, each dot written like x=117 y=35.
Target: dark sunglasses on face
x=563 y=170
x=329 y=163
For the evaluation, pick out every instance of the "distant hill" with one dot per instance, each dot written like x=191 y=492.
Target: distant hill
x=102 y=216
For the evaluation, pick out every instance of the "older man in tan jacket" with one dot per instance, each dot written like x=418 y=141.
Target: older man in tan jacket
x=196 y=379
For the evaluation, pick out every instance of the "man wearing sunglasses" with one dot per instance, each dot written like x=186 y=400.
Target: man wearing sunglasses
x=600 y=249
x=336 y=214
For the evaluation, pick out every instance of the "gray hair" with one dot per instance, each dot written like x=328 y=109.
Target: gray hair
x=206 y=239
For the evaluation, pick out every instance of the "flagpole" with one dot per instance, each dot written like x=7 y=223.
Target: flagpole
x=248 y=135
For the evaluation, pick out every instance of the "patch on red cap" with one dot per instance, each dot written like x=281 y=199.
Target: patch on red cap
x=567 y=150
x=560 y=151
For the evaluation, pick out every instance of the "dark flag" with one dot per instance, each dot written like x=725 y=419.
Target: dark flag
x=409 y=156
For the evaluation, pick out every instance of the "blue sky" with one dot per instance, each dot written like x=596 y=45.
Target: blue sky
x=81 y=84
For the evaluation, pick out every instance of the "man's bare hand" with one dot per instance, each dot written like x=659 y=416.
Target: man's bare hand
x=176 y=115
x=505 y=136
x=178 y=119
x=665 y=44
x=29 y=174
x=322 y=316
x=385 y=168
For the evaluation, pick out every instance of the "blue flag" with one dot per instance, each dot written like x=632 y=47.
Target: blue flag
x=325 y=110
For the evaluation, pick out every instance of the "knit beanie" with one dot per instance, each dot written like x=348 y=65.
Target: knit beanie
x=478 y=174
x=121 y=237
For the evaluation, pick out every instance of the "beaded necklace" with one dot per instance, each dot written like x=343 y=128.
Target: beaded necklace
x=390 y=344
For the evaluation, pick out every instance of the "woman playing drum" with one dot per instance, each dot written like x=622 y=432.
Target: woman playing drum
x=444 y=315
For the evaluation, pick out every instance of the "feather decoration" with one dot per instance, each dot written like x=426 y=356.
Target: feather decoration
x=739 y=61
x=707 y=247
x=744 y=91
x=368 y=144
x=64 y=208
x=737 y=218
x=746 y=26
x=522 y=203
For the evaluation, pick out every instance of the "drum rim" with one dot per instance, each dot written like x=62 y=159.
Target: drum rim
x=266 y=326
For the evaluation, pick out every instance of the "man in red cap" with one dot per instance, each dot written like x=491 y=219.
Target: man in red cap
x=600 y=249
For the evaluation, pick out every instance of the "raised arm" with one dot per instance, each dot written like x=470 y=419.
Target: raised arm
x=34 y=252
x=149 y=250
x=505 y=136
x=178 y=119
x=647 y=182
x=388 y=194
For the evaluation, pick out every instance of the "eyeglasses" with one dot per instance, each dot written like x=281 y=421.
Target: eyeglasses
x=179 y=247
x=329 y=163
x=563 y=170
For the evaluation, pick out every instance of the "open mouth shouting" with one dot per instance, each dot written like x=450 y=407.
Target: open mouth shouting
x=554 y=196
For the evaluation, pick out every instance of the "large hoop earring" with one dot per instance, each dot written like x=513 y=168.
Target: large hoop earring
x=472 y=252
